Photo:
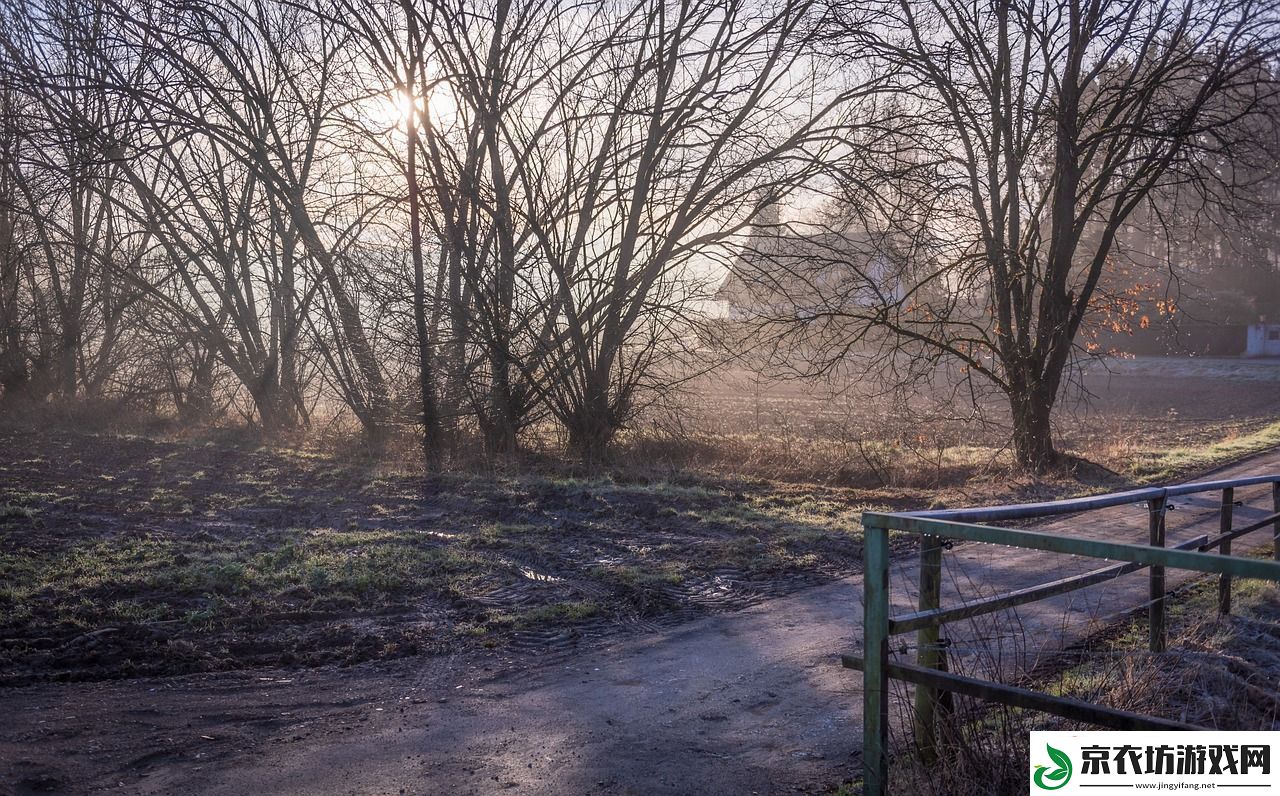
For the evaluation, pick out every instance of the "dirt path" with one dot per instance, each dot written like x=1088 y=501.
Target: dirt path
x=753 y=701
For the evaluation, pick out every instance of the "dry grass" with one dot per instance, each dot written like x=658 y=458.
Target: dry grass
x=1219 y=672
x=1135 y=426
x=1149 y=421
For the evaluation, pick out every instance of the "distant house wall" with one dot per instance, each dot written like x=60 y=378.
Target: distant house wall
x=1264 y=340
x=800 y=276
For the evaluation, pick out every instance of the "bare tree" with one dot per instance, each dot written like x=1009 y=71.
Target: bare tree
x=57 y=184
x=535 y=234
x=594 y=158
x=1009 y=145
x=661 y=128
x=16 y=355
x=478 y=316
x=259 y=81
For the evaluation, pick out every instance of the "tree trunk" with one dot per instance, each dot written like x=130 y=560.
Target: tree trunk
x=1033 y=446
x=276 y=409
x=375 y=408
x=592 y=427
x=500 y=428
x=431 y=427
x=13 y=374
x=194 y=401
x=454 y=389
x=68 y=349
x=589 y=438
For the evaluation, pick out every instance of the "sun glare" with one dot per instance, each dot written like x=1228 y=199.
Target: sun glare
x=392 y=110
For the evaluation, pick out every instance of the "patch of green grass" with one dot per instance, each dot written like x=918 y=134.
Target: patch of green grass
x=1162 y=465
x=166 y=499
x=372 y=565
x=503 y=536
x=666 y=573
x=143 y=579
x=566 y=612
x=22 y=496
x=19 y=504
x=273 y=497
x=645 y=590
x=791 y=513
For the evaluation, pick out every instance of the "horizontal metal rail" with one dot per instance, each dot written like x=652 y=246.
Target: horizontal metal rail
x=1092 y=548
x=1022 y=698
x=1024 y=511
x=1215 y=486
x=940 y=616
x=1236 y=533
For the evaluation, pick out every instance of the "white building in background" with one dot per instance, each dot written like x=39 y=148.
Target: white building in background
x=800 y=270
x=1263 y=340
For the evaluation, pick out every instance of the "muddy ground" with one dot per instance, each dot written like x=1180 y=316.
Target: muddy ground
x=126 y=555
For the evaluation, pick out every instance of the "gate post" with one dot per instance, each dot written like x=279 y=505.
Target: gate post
x=875 y=677
x=928 y=653
x=1224 y=526
x=1275 y=505
x=1156 y=508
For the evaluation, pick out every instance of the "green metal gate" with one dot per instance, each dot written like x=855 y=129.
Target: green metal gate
x=935 y=527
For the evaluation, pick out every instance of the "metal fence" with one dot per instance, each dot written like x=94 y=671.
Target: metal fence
x=929 y=673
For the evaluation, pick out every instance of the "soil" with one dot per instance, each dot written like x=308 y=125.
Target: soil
x=124 y=556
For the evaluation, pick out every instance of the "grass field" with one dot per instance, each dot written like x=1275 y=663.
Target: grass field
x=1143 y=419
x=122 y=555
x=125 y=554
